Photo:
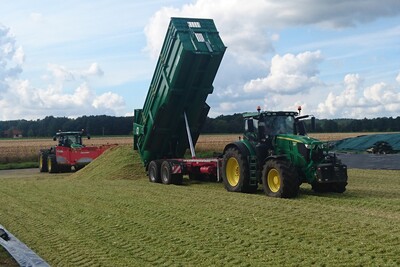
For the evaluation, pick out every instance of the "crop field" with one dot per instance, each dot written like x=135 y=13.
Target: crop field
x=24 y=150
x=108 y=214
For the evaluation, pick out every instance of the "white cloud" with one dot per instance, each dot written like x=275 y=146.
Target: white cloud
x=109 y=101
x=398 y=78
x=251 y=30
x=36 y=17
x=11 y=58
x=94 y=70
x=356 y=101
x=62 y=74
x=20 y=99
x=244 y=26
x=289 y=74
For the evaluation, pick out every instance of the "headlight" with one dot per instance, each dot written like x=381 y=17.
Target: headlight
x=309 y=146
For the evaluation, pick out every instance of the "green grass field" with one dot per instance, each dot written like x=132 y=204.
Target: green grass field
x=108 y=214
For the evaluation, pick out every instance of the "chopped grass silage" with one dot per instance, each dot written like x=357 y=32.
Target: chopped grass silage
x=115 y=217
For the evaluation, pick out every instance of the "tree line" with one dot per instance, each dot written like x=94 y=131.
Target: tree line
x=95 y=125
x=234 y=124
x=110 y=125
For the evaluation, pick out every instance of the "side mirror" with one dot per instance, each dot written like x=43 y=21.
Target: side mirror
x=88 y=136
x=54 y=138
x=313 y=124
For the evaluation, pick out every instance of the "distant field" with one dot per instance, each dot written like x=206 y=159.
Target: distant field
x=108 y=214
x=22 y=150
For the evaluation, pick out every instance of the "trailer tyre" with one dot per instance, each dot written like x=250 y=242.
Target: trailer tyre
x=280 y=179
x=154 y=171
x=52 y=165
x=235 y=172
x=167 y=177
x=43 y=162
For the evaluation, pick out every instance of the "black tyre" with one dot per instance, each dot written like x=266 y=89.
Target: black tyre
x=167 y=177
x=235 y=172
x=52 y=165
x=177 y=179
x=154 y=172
x=43 y=162
x=166 y=173
x=331 y=187
x=280 y=179
x=339 y=187
x=197 y=176
x=64 y=168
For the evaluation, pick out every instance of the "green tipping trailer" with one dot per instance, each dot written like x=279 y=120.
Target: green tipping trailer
x=186 y=68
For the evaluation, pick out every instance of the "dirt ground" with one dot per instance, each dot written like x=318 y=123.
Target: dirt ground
x=24 y=173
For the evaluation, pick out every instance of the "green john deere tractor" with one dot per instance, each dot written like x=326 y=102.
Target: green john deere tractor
x=277 y=153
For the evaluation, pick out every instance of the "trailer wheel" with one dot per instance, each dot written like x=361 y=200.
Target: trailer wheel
x=235 y=172
x=166 y=177
x=280 y=179
x=154 y=171
x=43 y=162
x=52 y=164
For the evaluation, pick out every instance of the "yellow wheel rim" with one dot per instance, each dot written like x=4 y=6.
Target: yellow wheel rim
x=232 y=171
x=274 y=180
x=49 y=165
x=41 y=162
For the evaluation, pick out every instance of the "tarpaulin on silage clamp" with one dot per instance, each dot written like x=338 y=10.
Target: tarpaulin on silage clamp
x=22 y=254
x=365 y=142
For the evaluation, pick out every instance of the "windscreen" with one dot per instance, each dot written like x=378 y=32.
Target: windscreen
x=278 y=125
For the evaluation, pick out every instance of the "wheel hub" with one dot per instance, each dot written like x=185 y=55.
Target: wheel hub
x=232 y=171
x=274 y=181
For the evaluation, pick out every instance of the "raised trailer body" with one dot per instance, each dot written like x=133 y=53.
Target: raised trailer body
x=186 y=68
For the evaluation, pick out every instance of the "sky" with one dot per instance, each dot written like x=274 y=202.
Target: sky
x=336 y=59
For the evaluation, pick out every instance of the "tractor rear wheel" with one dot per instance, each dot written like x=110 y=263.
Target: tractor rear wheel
x=154 y=171
x=52 y=166
x=280 y=179
x=235 y=172
x=43 y=162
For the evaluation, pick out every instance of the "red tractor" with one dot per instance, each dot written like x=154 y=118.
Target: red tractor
x=69 y=152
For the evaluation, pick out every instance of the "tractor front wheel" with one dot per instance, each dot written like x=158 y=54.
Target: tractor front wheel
x=235 y=172
x=280 y=179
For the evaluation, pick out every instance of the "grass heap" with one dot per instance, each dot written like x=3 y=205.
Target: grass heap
x=108 y=214
x=115 y=163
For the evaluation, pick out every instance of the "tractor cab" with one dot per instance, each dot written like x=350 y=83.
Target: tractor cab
x=263 y=126
x=70 y=139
